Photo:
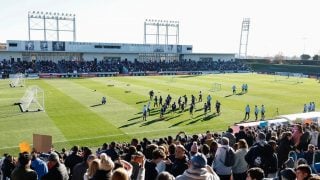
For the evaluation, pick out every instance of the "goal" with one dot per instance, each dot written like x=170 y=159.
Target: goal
x=32 y=100
x=288 y=77
x=216 y=87
x=17 y=80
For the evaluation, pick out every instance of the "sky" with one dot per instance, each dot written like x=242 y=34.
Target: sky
x=286 y=27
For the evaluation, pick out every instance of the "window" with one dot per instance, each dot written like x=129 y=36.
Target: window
x=189 y=48
x=112 y=47
x=97 y=46
x=13 y=44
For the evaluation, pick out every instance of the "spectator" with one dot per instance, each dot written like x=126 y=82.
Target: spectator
x=240 y=167
x=23 y=170
x=260 y=154
x=198 y=169
x=120 y=174
x=92 y=169
x=72 y=159
x=38 y=165
x=165 y=176
x=180 y=163
x=303 y=172
x=284 y=147
x=7 y=166
x=223 y=171
x=80 y=169
x=288 y=174
x=255 y=174
x=57 y=170
x=150 y=165
x=105 y=168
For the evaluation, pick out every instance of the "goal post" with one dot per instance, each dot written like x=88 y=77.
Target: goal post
x=216 y=87
x=17 y=80
x=288 y=77
x=32 y=100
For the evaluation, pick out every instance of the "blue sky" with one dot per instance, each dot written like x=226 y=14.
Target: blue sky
x=290 y=27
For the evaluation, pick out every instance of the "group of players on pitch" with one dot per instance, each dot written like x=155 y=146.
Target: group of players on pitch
x=159 y=102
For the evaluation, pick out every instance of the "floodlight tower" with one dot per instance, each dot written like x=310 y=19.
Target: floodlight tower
x=244 y=38
x=51 y=22
x=159 y=25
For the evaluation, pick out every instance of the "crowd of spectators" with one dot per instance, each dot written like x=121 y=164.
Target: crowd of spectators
x=285 y=152
x=123 y=66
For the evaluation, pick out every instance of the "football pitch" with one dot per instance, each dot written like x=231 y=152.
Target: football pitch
x=74 y=115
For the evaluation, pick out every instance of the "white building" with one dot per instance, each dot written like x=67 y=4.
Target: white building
x=18 y=50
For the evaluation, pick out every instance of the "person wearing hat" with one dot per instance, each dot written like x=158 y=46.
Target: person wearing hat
x=198 y=169
x=57 y=170
x=23 y=170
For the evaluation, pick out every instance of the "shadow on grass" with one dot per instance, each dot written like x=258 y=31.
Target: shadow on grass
x=228 y=95
x=198 y=109
x=210 y=117
x=95 y=105
x=146 y=123
x=130 y=124
x=240 y=94
x=134 y=118
x=139 y=102
x=172 y=117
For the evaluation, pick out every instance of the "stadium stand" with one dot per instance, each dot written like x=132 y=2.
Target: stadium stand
x=123 y=66
x=272 y=151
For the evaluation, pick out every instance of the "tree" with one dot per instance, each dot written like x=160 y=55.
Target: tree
x=305 y=57
x=316 y=57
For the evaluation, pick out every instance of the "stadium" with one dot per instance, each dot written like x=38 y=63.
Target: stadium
x=119 y=99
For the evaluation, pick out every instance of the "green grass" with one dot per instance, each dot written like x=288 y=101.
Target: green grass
x=70 y=118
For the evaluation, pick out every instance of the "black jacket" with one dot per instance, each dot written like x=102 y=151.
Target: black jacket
x=57 y=172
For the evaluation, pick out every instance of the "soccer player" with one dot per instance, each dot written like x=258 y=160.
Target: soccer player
x=234 y=89
x=155 y=101
x=151 y=93
x=209 y=102
x=191 y=110
x=263 y=111
x=218 y=105
x=179 y=102
x=144 y=113
x=247 y=115
x=205 y=108
x=200 y=96
x=173 y=107
x=160 y=100
x=256 y=111
x=305 y=108
x=148 y=107
x=103 y=100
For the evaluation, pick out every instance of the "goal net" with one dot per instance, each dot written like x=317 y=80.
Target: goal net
x=17 y=80
x=216 y=87
x=288 y=77
x=32 y=100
